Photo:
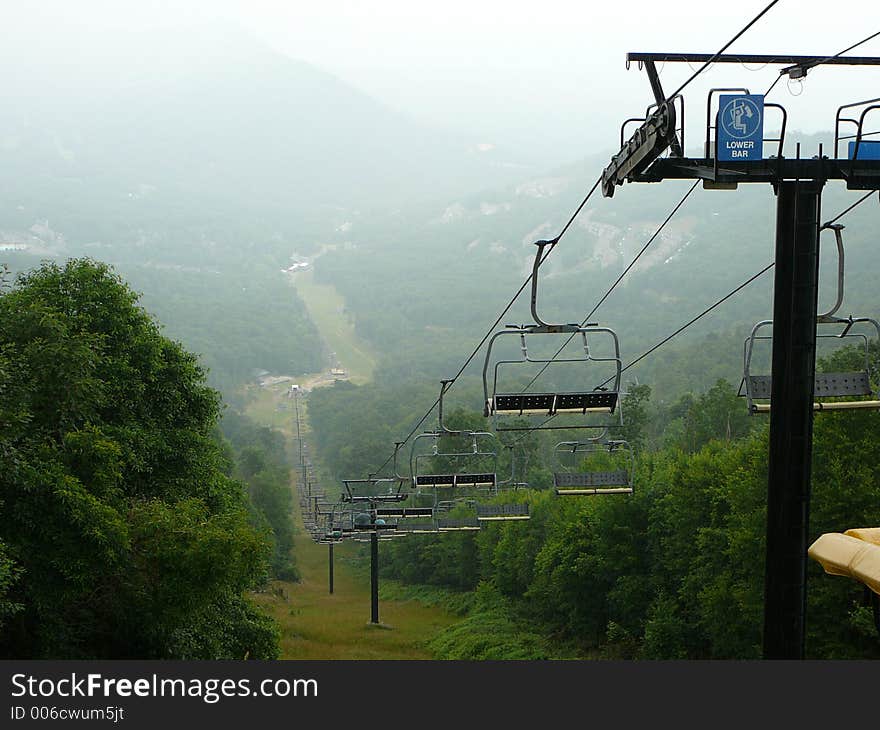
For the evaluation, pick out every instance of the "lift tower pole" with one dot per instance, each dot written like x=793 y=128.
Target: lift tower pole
x=330 y=561
x=798 y=184
x=795 y=294
x=374 y=577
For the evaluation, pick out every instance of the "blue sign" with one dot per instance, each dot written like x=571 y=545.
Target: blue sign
x=740 y=129
x=868 y=150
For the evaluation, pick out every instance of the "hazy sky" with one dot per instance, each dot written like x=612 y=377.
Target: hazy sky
x=548 y=73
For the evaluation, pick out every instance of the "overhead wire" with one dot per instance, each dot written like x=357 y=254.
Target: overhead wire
x=605 y=296
x=702 y=314
x=853 y=206
x=565 y=228
x=773 y=85
x=723 y=49
x=854 y=45
x=793 y=84
x=818 y=62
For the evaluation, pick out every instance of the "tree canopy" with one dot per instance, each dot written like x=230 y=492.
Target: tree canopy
x=121 y=534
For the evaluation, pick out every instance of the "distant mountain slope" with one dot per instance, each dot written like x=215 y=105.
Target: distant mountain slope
x=168 y=128
x=450 y=268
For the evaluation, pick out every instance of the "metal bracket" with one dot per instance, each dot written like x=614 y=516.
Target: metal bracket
x=647 y=143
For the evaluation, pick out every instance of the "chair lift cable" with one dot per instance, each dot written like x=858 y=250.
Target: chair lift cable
x=617 y=281
x=819 y=62
x=677 y=332
x=701 y=314
x=723 y=49
x=577 y=212
x=501 y=316
x=840 y=215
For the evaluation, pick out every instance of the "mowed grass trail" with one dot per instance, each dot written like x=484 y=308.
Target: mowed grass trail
x=326 y=309
x=270 y=407
x=316 y=625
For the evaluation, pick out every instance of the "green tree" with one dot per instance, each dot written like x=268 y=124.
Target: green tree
x=635 y=415
x=716 y=414
x=130 y=538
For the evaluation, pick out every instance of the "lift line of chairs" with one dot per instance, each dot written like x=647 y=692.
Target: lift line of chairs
x=600 y=465
x=458 y=469
x=461 y=466
x=832 y=391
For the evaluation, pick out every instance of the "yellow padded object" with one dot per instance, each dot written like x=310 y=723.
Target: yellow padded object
x=868 y=534
x=835 y=552
x=848 y=556
x=867 y=569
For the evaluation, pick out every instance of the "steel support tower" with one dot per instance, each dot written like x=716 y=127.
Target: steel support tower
x=798 y=184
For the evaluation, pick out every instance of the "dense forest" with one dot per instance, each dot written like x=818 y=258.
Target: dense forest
x=238 y=317
x=130 y=526
x=673 y=571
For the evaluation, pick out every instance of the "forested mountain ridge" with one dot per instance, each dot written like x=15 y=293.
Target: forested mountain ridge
x=184 y=127
x=209 y=153
x=197 y=163
x=471 y=252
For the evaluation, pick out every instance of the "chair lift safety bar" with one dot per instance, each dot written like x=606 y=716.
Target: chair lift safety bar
x=481 y=461
x=595 y=467
x=502 y=512
x=504 y=405
x=851 y=385
x=373 y=490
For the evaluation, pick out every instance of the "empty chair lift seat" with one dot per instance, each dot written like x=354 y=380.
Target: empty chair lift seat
x=549 y=404
x=498 y=512
x=451 y=525
x=373 y=490
x=592 y=483
x=418 y=528
x=405 y=512
x=854 y=554
x=827 y=385
x=482 y=479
